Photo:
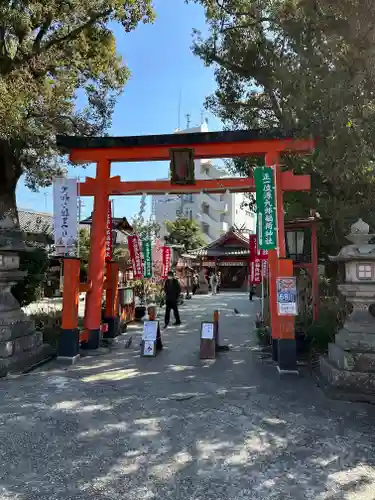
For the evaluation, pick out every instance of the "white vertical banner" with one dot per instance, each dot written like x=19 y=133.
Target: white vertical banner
x=65 y=215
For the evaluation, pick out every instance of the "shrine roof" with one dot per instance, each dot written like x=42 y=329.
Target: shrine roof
x=68 y=143
x=239 y=246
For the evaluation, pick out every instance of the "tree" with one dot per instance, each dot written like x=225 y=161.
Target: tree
x=145 y=229
x=305 y=66
x=184 y=232
x=120 y=253
x=35 y=262
x=60 y=73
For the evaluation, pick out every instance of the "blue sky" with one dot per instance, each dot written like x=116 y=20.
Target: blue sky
x=162 y=66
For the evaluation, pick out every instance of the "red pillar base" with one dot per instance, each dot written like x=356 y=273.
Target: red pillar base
x=68 y=347
x=287 y=356
x=93 y=339
x=113 y=327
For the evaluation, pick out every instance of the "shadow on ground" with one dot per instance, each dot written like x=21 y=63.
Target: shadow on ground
x=120 y=426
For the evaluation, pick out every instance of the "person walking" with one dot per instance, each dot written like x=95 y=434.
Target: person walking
x=172 y=290
x=195 y=283
x=218 y=281
x=213 y=283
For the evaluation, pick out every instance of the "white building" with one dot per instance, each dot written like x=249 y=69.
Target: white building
x=216 y=213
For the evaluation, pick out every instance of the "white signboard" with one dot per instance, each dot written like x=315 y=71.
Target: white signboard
x=150 y=330
x=207 y=331
x=65 y=215
x=149 y=346
x=287 y=296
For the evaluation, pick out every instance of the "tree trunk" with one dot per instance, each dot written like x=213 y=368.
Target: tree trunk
x=10 y=173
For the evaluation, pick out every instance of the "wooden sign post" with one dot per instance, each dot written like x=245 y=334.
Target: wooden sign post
x=208 y=340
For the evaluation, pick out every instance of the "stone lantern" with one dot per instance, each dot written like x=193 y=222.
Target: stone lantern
x=20 y=344
x=350 y=367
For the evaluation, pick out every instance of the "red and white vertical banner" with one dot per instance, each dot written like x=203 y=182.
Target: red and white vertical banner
x=263 y=255
x=157 y=258
x=255 y=261
x=135 y=252
x=109 y=235
x=166 y=260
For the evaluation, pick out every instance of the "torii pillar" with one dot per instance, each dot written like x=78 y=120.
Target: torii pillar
x=96 y=267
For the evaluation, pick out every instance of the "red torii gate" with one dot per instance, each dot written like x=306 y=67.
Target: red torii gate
x=269 y=144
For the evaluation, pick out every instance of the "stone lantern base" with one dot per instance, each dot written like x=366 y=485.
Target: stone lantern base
x=21 y=346
x=349 y=371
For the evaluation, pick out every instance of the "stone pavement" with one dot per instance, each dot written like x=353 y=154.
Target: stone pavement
x=117 y=426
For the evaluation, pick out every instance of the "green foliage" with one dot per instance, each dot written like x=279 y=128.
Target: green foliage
x=263 y=335
x=53 y=53
x=185 y=232
x=331 y=319
x=35 y=263
x=145 y=229
x=305 y=66
x=49 y=323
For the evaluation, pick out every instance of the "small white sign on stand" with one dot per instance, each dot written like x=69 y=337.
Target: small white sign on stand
x=207 y=331
x=150 y=331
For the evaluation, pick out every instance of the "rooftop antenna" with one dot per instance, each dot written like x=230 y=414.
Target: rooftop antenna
x=179 y=110
x=187 y=120
x=202 y=116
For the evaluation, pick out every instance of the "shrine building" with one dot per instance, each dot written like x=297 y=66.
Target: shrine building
x=228 y=254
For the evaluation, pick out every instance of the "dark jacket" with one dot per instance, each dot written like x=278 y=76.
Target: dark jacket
x=172 y=290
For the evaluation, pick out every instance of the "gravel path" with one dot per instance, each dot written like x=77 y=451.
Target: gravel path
x=118 y=426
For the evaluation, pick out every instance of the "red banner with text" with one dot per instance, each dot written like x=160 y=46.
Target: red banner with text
x=136 y=256
x=109 y=235
x=167 y=256
x=255 y=261
x=263 y=255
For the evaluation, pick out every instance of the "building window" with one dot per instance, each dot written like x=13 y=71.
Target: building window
x=205 y=208
x=222 y=197
x=205 y=169
x=364 y=271
x=222 y=217
x=205 y=228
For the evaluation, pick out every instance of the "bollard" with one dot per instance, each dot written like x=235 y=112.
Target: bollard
x=216 y=327
x=68 y=346
x=218 y=347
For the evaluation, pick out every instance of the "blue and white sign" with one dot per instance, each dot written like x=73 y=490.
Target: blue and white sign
x=287 y=296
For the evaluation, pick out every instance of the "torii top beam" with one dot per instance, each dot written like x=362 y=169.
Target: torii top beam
x=206 y=145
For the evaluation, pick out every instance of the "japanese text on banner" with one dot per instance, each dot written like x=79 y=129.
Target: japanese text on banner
x=109 y=235
x=167 y=255
x=135 y=256
x=157 y=258
x=65 y=215
x=255 y=262
x=147 y=258
x=266 y=207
